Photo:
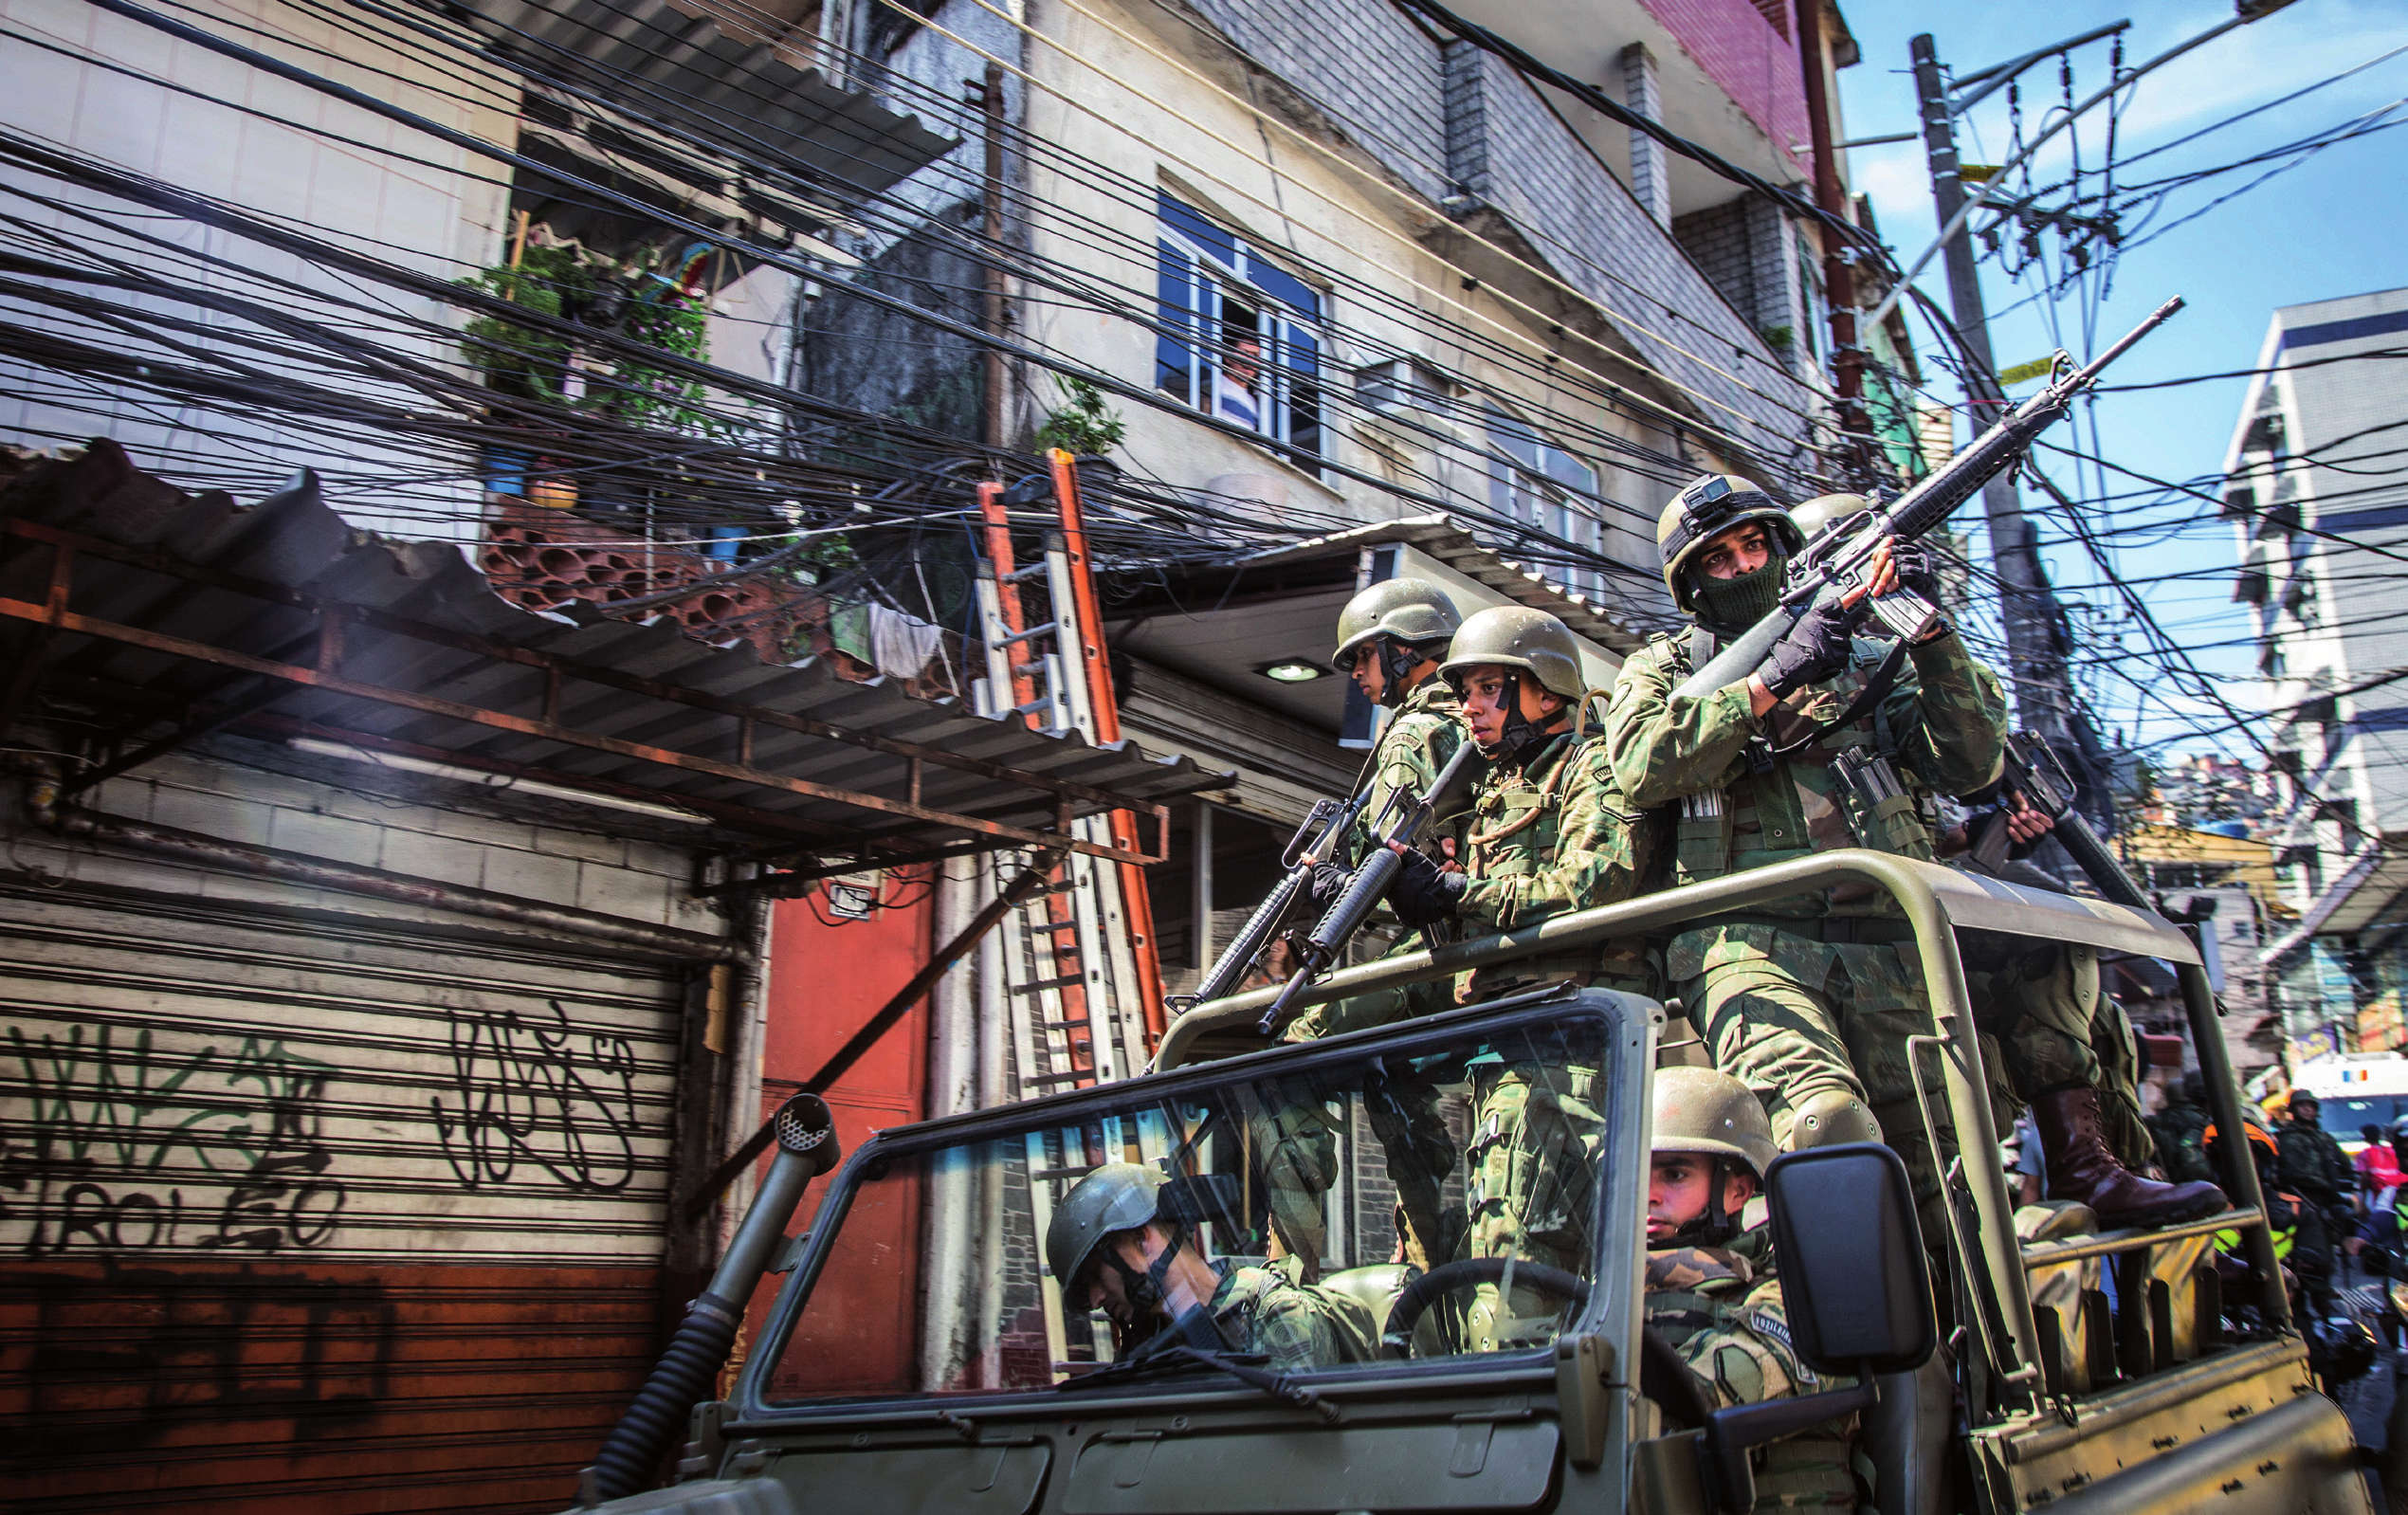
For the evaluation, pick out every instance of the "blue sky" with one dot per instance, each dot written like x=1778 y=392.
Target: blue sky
x=2337 y=224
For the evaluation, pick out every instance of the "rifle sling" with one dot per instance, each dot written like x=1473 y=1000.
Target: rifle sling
x=1876 y=690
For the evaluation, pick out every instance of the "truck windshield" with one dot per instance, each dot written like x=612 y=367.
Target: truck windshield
x=1270 y=1214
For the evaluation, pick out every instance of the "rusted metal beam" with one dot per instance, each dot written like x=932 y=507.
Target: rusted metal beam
x=65 y=620
x=554 y=667
x=814 y=834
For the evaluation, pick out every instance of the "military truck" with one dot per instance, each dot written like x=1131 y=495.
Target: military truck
x=920 y=1357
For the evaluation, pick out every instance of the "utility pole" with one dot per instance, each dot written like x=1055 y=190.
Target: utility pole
x=2043 y=690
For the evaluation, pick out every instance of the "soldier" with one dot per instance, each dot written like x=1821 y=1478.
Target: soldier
x=1800 y=996
x=1111 y=1250
x=1549 y=832
x=1389 y=639
x=2043 y=1019
x=1711 y=1293
x=2179 y=1130
x=2312 y=1165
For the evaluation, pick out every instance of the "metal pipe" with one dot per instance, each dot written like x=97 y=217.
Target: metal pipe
x=807 y=1147
x=947 y=1337
x=2240 y=1169
x=322 y=873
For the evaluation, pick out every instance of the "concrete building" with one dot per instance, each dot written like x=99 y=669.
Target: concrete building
x=2321 y=515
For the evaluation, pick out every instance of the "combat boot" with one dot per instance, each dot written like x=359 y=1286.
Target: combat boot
x=2080 y=1168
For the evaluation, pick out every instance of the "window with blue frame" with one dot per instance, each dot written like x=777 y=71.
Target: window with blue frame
x=1241 y=336
x=1534 y=481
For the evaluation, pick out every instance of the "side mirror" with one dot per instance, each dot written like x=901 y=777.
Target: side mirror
x=1857 y=1294
x=1851 y=1261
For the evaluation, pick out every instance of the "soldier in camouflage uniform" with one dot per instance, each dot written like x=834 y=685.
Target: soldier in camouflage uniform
x=1808 y=1001
x=1711 y=1293
x=2310 y=1164
x=1389 y=639
x=1549 y=832
x=1111 y=1252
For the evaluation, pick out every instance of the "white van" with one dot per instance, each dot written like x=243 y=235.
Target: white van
x=2355 y=1092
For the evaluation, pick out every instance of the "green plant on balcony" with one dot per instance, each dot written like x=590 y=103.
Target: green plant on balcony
x=1083 y=424
x=635 y=300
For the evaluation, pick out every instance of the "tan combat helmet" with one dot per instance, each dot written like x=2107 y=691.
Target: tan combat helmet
x=1704 y=506
x=1521 y=639
x=1413 y=611
x=1698 y=1109
x=1811 y=517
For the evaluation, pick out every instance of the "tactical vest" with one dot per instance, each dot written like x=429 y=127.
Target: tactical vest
x=1514 y=829
x=1431 y=709
x=1810 y=1470
x=1774 y=807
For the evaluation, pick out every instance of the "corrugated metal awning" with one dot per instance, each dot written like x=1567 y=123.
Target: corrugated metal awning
x=177 y=616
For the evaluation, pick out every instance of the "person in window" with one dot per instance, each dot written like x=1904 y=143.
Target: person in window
x=1237 y=388
x=1111 y=1250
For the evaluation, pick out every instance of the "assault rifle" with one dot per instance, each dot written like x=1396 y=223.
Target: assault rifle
x=1405 y=819
x=1315 y=843
x=2034 y=771
x=1835 y=564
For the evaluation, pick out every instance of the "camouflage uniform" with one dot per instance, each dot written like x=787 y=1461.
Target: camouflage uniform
x=1725 y=1320
x=1419 y=740
x=1296 y=1325
x=1812 y=995
x=1425 y=732
x=2311 y=1165
x=1548 y=834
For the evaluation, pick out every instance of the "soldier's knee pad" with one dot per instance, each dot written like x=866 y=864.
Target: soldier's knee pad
x=1829 y=1119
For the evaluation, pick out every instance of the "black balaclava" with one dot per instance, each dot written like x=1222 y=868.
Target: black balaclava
x=1396 y=662
x=1727 y=607
x=1519 y=736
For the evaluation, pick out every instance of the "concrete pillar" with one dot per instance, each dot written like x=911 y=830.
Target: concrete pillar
x=1643 y=91
x=1778 y=280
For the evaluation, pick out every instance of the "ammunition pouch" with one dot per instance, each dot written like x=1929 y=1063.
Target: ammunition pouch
x=1881 y=812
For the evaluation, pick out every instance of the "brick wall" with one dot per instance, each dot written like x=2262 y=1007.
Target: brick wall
x=1747 y=47
x=1456 y=120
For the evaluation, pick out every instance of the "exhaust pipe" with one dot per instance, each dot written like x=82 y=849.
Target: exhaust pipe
x=807 y=1147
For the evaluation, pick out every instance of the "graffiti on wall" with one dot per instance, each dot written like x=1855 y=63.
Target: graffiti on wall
x=125 y=1359
x=530 y=1099
x=128 y=1146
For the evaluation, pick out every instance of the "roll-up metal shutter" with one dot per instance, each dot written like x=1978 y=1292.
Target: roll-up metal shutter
x=318 y=1218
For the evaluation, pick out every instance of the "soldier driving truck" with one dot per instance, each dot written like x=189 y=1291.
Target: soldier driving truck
x=1007 y=1309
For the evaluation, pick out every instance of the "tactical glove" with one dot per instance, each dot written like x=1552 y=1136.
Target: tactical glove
x=1424 y=894
x=1328 y=880
x=1816 y=648
x=1918 y=568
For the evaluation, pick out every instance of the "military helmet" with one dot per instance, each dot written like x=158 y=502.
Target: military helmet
x=1811 y=517
x=1116 y=1196
x=1413 y=611
x=1708 y=506
x=1698 y=1109
x=1521 y=639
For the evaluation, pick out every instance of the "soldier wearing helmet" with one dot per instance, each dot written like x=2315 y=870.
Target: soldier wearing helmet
x=1548 y=832
x=1809 y=1001
x=1111 y=1247
x=1391 y=637
x=1711 y=1293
